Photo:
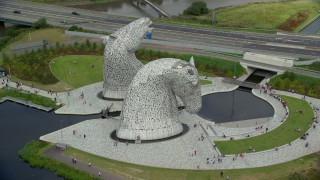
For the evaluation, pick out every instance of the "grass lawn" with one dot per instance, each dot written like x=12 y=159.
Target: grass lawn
x=83 y=73
x=308 y=166
x=204 y=82
x=284 y=134
x=51 y=34
x=36 y=99
x=265 y=15
x=80 y=73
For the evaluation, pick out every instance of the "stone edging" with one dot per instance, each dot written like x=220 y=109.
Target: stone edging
x=27 y=103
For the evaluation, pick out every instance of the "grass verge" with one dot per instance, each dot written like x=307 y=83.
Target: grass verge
x=266 y=15
x=314 y=66
x=307 y=166
x=35 y=99
x=204 y=82
x=32 y=153
x=57 y=87
x=53 y=35
x=271 y=139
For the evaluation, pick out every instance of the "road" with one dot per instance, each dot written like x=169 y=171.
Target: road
x=286 y=45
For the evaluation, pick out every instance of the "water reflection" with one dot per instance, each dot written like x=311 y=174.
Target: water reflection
x=234 y=106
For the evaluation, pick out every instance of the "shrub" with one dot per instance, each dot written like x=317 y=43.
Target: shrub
x=197 y=8
x=41 y=23
x=294 y=21
x=75 y=28
x=299 y=83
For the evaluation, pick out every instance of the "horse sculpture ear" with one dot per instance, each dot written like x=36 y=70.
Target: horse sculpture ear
x=107 y=38
x=192 y=61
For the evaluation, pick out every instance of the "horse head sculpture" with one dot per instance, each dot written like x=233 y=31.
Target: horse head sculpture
x=150 y=109
x=120 y=62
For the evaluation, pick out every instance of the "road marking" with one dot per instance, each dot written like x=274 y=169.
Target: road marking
x=285 y=45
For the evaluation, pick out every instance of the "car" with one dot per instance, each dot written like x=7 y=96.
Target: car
x=17 y=12
x=75 y=13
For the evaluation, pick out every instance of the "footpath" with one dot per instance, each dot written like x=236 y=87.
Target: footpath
x=60 y=156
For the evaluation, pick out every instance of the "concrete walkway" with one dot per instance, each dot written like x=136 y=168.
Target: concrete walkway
x=83 y=166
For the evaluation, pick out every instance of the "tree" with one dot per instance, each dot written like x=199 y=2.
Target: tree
x=41 y=23
x=196 y=9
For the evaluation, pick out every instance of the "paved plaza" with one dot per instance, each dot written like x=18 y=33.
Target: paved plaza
x=186 y=151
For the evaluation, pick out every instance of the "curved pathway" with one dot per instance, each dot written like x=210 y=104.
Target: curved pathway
x=60 y=156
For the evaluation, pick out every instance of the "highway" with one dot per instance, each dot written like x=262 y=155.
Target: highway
x=286 y=45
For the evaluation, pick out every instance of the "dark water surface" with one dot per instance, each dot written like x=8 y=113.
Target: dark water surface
x=173 y=7
x=20 y=124
x=234 y=106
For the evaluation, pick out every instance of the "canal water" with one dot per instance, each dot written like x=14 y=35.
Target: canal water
x=20 y=124
x=173 y=7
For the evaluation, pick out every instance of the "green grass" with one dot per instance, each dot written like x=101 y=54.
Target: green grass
x=314 y=66
x=204 y=82
x=32 y=153
x=189 y=21
x=83 y=73
x=284 y=134
x=51 y=34
x=80 y=73
x=57 y=87
x=265 y=15
x=36 y=99
x=308 y=166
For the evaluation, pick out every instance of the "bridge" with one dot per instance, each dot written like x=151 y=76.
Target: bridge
x=156 y=8
x=241 y=83
x=13 y=21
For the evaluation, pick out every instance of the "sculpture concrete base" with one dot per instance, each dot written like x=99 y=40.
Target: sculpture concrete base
x=151 y=134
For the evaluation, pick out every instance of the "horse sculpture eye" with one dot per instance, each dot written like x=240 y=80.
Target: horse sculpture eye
x=190 y=71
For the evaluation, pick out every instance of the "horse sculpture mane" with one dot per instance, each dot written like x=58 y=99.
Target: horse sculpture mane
x=120 y=62
x=150 y=109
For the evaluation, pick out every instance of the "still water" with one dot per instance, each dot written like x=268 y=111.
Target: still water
x=173 y=7
x=20 y=124
x=234 y=106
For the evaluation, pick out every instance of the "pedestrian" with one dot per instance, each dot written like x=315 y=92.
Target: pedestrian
x=84 y=136
x=75 y=160
x=227 y=178
x=221 y=174
x=89 y=164
x=99 y=173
